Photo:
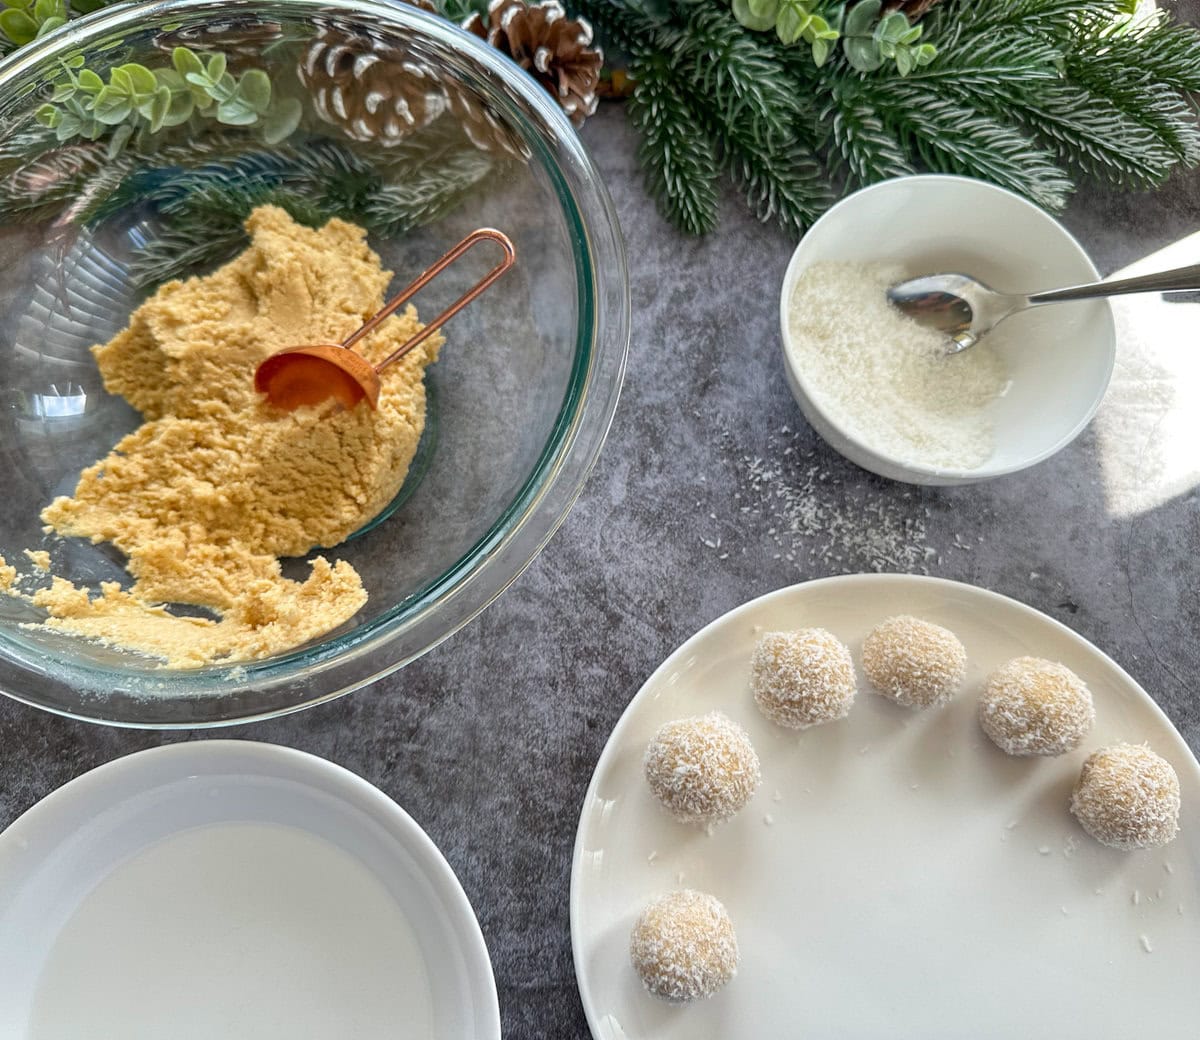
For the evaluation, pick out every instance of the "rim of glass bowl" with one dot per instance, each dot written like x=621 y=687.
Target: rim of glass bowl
x=252 y=691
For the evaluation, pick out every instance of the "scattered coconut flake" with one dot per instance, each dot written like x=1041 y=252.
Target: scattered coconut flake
x=1145 y=941
x=768 y=819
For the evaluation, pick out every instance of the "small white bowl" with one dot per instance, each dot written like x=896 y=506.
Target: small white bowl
x=1059 y=358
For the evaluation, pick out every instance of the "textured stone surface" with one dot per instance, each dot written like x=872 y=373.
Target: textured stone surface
x=489 y=741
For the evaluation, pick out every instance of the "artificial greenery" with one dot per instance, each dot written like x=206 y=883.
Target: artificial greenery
x=200 y=210
x=22 y=21
x=868 y=36
x=1028 y=94
x=136 y=99
x=459 y=11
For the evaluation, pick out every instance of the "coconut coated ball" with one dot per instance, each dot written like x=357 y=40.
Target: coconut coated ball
x=684 y=947
x=801 y=679
x=1127 y=797
x=1036 y=707
x=914 y=662
x=702 y=769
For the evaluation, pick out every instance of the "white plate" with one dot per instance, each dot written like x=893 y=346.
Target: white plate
x=895 y=875
x=236 y=890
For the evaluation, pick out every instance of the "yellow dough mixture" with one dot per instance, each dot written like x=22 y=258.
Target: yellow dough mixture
x=216 y=485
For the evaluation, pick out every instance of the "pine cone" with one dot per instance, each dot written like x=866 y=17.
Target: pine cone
x=552 y=48
x=368 y=84
x=482 y=128
x=915 y=9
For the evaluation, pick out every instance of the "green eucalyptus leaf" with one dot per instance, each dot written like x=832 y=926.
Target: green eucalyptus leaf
x=159 y=108
x=49 y=25
x=63 y=91
x=180 y=110
x=862 y=52
x=89 y=82
x=925 y=53
x=756 y=23
x=18 y=26
x=822 y=30
x=112 y=109
x=911 y=34
x=119 y=139
x=216 y=67
x=792 y=24
x=48 y=116
x=887 y=49
x=44 y=9
x=186 y=61
x=254 y=88
x=170 y=79
x=236 y=113
x=75 y=61
x=821 y=47
x=141 y=78
x=861 y=17
x=120 y=80
x=69 y=125
x=905 y=62
x=762 y=8
x=281 y=121
x=891 y=27
x=17 y=5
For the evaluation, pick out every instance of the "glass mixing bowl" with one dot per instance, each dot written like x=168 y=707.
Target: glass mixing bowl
x=519 y=402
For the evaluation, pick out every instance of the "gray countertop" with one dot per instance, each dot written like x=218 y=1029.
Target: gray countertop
x=489 y=741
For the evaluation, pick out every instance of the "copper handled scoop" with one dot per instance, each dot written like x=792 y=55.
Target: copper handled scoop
x=298 y=376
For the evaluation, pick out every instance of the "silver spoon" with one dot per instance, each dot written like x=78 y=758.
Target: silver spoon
x=966 y=309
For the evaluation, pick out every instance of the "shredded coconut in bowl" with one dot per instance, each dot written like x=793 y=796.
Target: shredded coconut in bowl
x=886 y=381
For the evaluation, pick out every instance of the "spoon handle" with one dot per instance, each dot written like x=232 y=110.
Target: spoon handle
x=1181 y=278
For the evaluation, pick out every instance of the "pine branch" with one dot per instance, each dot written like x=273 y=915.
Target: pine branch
x=1165 y=52
x=426 y=191
x=178 y=252
x=785 y=183
x=1156 y=117
x=626 y=27
x=862 y=148
x=949 y=138
x=201 y=211
x=1089 y=134
x=1000 y=62
x=458 y=11
x=678 y=157
x=1053 y=18
x=735 y=72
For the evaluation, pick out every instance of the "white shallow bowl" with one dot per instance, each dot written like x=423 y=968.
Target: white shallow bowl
x=235 y=890
x=896 y=876
x=1060 y=357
